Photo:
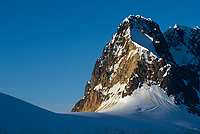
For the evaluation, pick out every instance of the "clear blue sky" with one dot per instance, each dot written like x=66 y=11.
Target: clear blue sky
x=48 y=48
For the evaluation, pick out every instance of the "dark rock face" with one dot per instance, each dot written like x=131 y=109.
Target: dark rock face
x=184 y=40
x=126 y=63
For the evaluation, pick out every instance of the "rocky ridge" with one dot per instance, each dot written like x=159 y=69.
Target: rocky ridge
x=139 y=53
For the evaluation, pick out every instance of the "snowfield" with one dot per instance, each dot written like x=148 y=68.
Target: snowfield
x=146 y=111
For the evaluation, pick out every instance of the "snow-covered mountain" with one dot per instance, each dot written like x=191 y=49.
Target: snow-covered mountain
x=145 y=81
x=140 y=60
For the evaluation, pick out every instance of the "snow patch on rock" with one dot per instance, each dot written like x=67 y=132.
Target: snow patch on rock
x=138 y=37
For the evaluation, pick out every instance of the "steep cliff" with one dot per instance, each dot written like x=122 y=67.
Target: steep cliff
x=140 y=54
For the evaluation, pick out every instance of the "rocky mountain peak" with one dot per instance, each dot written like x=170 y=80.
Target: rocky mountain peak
x=152 y=30
x=139 y=55
x=145 y=25
x=185 y=40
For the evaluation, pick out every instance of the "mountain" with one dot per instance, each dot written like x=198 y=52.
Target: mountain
x=145 y=81
x=140 y=60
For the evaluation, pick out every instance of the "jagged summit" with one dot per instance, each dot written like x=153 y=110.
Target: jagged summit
x=139 y=16
x=140 y=57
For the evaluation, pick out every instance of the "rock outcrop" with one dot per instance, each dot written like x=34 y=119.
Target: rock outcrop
x=140 y=53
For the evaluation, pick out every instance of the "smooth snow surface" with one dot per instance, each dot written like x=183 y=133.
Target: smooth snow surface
x=144 y=99
x=142 y=39
x=148 y=110
x=185 y=58
x=151 y=104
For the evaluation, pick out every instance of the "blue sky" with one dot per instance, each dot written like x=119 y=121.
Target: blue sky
x=48 y=48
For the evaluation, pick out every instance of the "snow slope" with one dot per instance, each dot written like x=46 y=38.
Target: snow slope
x=142 y=39
x=180 y=39
x=150 y=103
x=19 y=117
